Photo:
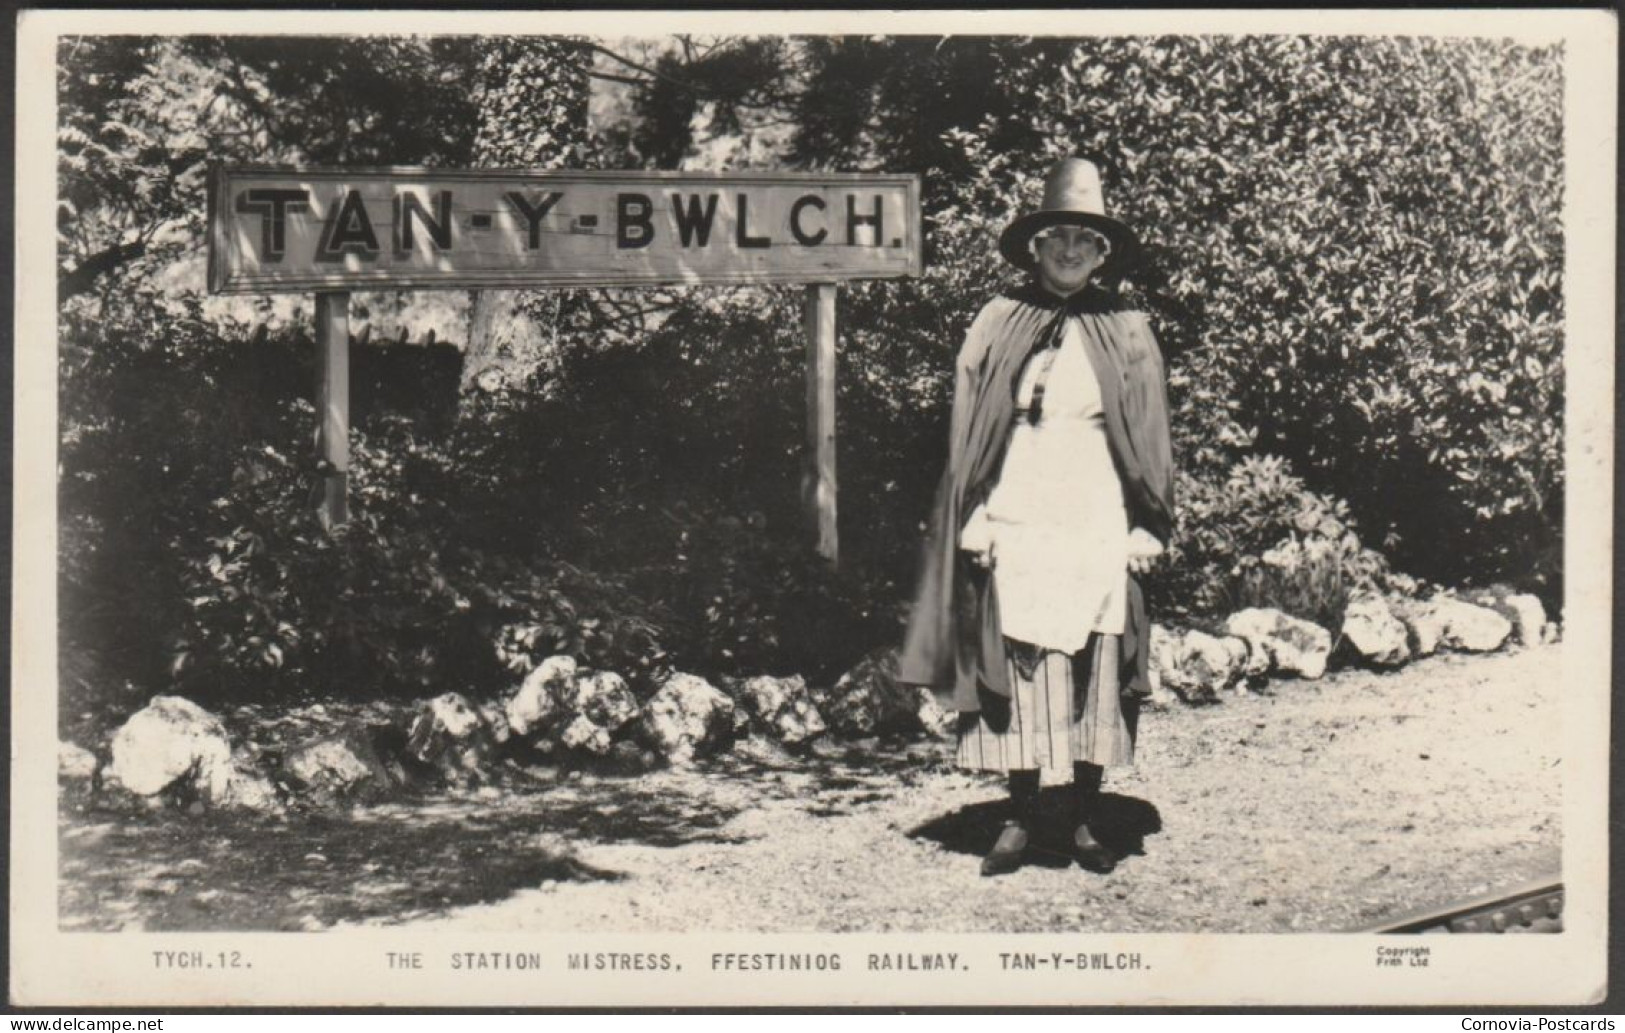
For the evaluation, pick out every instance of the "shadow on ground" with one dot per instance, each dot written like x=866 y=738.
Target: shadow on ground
x=423 y=855
x=168 y=870
x=833 y=765
x=1123 y=824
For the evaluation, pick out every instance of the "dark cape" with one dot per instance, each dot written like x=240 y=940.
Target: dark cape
x=954 y=642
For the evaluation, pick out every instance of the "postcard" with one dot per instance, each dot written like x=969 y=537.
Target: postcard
x=812 y=509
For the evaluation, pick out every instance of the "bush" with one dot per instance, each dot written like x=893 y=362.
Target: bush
x=1353 y=267
x=747 y=601
x=672 y=464
x=275 y=603
x=597 y=519
x=543 y=610
x=1352 y=262
x=192 y=559
x=1355 y=257
x=1261 y=538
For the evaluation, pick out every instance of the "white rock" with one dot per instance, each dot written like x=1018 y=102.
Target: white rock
x=1225 y=660
x=1161 y=695
x=1157 y=643
x=332 y=759
x=559 y=704
x=583 y=734
x=1375 y=633
x=603 y=698
x=1530 y=622
x=686 y=718
x=1195 y=665
x=74 y=763
x=496 y=719
x=449 y=733
x=250 y=790
x=937 y=721
x=1471 y=629
x=783 y=707
x=1426 y=626
x=1254 y=660
x=172 y=738
x=342 y=765
x=1294 y=646
x=1524 y=611
x=455 y=715
x=869 y=700
x=539 y=701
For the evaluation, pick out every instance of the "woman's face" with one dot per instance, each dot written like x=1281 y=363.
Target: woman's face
x=1068 y=256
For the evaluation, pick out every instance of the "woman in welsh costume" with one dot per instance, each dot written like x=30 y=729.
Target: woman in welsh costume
x=1058 y=493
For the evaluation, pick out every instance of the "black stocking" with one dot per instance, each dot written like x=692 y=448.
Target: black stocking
x=1086 y=779
x=1024 y=796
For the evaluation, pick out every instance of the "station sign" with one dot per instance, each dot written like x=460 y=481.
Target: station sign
x=285 y=229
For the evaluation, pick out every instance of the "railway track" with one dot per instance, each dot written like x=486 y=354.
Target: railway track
x=1535 y=907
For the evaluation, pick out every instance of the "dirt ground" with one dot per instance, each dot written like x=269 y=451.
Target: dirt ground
x=1319 y=806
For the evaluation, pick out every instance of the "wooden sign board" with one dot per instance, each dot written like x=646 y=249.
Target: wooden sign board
x=325 y=229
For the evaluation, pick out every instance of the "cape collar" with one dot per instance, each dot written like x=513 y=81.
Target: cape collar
x=1092 y=299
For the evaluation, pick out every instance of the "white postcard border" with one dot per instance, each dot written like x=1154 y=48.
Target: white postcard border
x=345 y=968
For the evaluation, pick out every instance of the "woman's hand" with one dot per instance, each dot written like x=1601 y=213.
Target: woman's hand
x=976 y=540
x=982 y=557
x=1143 y=550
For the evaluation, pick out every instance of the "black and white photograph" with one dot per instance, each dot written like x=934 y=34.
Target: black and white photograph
x=754 y=508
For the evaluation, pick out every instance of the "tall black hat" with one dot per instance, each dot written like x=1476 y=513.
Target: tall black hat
x=1072 y=197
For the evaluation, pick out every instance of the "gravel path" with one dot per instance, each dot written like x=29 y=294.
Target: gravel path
x=1322 y=806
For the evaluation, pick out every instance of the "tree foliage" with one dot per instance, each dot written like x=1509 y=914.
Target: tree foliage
x=1353 y=261
x=1356 y=249
x=531 y=99
x=141 y=117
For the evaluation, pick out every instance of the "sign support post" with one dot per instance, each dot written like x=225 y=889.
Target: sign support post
x=333 y=407
x=818 y=483
x=296 y=229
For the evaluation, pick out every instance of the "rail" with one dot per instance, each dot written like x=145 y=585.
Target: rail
x=1535 y=907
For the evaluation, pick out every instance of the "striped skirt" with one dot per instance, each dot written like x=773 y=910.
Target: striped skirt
x=1063 y=709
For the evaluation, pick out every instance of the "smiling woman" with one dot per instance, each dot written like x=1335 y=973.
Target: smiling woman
x=1058 y=494
x=1067 y=256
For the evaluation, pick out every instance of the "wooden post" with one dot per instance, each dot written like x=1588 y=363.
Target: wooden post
x=333 y=406
x=818 y=482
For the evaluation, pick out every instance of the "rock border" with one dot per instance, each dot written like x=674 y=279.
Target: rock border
x=564 y=716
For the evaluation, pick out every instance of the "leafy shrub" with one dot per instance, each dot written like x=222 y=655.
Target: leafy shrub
x=672 y=465
x=1354 y=256
x=192 y=556
x=747 y=601
x=1304 y=579
x=1353 y=265
x=1261 y=538
x=277 y=603
x=395 y=601
x=553 y=609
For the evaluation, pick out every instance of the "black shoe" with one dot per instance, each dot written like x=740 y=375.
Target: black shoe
x=1006 y=855
x=1090 y=853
